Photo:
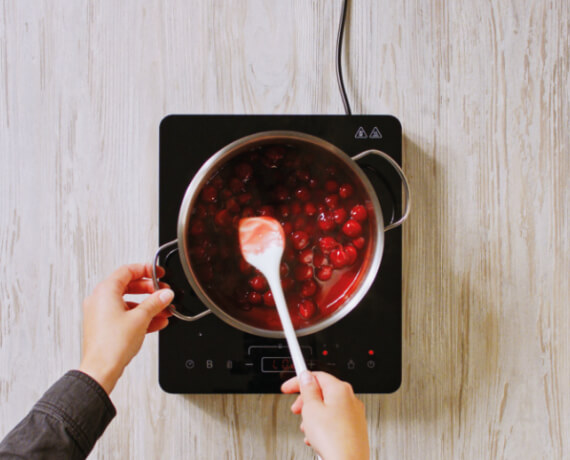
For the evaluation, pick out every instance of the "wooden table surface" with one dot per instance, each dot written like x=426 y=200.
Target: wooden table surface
x=482 y=91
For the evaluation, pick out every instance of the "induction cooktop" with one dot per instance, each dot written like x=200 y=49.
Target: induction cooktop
x=210 y=356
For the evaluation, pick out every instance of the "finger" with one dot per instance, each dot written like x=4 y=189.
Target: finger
x=155 y=303
x=309 y=387
x=297 y=406
x=290 y=386
x=118 y=281
x=156 y=324
x=143 y=286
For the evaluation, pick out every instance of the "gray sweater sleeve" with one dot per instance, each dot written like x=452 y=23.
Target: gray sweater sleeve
x=65 y=423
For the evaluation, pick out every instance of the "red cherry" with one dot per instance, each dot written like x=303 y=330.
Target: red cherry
x=274 y=153
x=244 y=198
x=232 y=205
x=303 y=175
x=284 y=210
x=359 y=213
x=283 y=269
x=303 y=272
x=225 y=194
x=351 y=254
x=244 y=171
x=281 y=193
x=339 y=215
x=319 y=259
x=302 y=193
x=352 y=228
x=306 y=308
x=223 y=218
x=310 y=209
x=324 y=273
x=287 y=227
x=236 y=185
x=268 y=299
x=327 y=244
x=299 y=223
x=259 y=283
x=217 y=182
x=254 y=298
x=287 y=283
x=200 y=211
x=338 y=258
x=345 y=191
x=266 y=210
x=197 y=228
x=200 y=254
x=306 y=256
x=308 y=288
x=209 y=194
x=295 y=208
x=359 y=242
x=247 y=212
x=326 y=221
x=313 y=183
x=331 y=201
x=331 y=186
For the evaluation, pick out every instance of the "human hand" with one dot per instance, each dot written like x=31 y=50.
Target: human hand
x=334 y=422
x=114 y=329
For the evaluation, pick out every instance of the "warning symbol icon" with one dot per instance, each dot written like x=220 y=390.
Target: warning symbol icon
x=361 y=134
x=375 y=134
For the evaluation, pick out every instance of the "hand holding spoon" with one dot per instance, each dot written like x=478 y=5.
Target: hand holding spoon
x=262 y=242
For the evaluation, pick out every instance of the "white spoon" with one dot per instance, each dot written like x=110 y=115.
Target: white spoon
x=262 y=242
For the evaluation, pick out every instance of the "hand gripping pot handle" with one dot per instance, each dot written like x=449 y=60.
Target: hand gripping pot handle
x=172 y=247
x=406 y=196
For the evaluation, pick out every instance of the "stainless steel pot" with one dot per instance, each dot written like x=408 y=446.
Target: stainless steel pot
x=310 y=143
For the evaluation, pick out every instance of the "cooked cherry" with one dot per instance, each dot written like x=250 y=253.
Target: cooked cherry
x=308 y=288
x=331 y=186
x=310 y=209
x=327 y=244
x=302 y=193
x=233 y=206
x=319 y=259
x=307 y=308
x=247 y=212
x=287 y=227
x=303 y=175
x=306 y=256
x=244 y=266
x=359 y=242
x=236 y=185
x=266 y=210
x=210 y=194
x=268 y=299
x=351 y=254
x=225 y=193
x=197 y=228
x=287 y=283
x=324 y=273
x=223 y=218
x=259 y=283
x=345 y=191
x=299 y=223
x=338 y=258
x=359 y=213
x=303 y=272
x=254 y=298
x=244 y=198
x=339 y=215
x=352 y=228
x=331 y=201
x=283 y=269
x=326 y=221
x=295 y=208
x=244 y=171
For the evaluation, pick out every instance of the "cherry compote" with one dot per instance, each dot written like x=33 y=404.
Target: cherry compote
x=324 y=212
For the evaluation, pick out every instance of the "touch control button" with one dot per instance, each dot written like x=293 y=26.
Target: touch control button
x=190 y=364
x=209 y=364
x=351 y=364
x=371 y=364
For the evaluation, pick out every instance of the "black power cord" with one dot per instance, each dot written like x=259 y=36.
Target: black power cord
x=338 y=58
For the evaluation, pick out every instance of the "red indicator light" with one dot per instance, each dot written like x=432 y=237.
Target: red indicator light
x=371 y=352
x=325 y=352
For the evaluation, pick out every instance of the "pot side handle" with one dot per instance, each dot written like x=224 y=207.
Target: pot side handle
x=406 y=195
x=172 y=247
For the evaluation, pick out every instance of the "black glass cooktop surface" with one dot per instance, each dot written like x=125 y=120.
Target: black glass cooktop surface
x=210 y=356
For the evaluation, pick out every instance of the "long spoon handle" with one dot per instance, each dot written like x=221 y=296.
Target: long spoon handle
x=292 y=342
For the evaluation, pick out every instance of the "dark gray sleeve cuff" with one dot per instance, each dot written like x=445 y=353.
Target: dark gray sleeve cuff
x=81 y=405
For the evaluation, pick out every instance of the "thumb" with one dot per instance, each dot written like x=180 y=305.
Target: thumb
x=309 y=387
x=156 y=302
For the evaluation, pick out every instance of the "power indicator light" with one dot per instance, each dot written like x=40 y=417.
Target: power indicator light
x=325 y=352
x=371 y=352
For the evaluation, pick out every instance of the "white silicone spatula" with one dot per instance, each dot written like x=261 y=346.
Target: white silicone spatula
x=262 y=242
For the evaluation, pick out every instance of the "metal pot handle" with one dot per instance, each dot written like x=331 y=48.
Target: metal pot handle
x=396 y=166
x=173 y=247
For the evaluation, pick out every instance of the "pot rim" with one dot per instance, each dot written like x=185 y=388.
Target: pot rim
x=272 y=137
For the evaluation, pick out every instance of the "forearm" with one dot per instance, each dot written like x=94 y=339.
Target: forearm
x=65 y=423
